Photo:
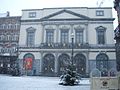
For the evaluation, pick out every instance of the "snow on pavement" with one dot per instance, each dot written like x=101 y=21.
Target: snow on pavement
x=38 y=83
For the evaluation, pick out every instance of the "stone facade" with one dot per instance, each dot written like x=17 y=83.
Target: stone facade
x=45 y=40
x=9 y=37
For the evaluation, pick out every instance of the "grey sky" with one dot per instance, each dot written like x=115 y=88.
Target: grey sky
x=15 y=6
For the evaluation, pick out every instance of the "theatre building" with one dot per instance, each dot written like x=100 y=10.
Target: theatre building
x=46 y=35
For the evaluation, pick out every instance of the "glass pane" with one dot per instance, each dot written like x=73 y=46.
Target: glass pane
x=64 y=37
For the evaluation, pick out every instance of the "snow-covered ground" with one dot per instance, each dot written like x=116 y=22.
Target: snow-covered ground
x=38 y=83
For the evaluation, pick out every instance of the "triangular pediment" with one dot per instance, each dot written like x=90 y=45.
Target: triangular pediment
x=65 y=14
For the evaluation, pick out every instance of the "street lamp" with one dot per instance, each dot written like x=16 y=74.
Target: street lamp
x=72 y=38
x=70 y=77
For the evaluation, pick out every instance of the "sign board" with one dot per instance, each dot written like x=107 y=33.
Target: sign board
x=104 y=83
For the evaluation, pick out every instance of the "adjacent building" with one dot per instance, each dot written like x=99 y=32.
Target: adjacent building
x=117 y=34
x=45 y=43
x=9 y=37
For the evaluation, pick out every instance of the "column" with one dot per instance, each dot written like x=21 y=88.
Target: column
x=57 y=34
x=43 y=31
x=87 y=33
x=87 y=62
x=56 y=63
x=41 y=53
x=71 y=31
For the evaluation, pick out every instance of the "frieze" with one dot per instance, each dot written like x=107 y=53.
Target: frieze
x=79 y=27
x=50 y=27
x=64 y=27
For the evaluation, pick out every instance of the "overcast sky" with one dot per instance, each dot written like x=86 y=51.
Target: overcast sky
x=15 y=6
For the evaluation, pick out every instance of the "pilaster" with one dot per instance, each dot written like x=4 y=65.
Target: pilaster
x=56 y=63
x=43 y=33
x=41 y=62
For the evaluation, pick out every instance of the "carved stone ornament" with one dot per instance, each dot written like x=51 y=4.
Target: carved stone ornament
x=50 y=27
x=64 y=27
x=79 y=27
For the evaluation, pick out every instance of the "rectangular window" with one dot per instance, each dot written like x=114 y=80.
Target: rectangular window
x=64 y=36
x=101 y=37
x=49 y=36
x=32 y=14
x=30 y=38
x=99 y=13
x=79 y=36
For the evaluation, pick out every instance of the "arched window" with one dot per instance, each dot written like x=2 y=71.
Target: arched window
x=30 y=36
x=102 y=61
x=48 y=64
x=100 y=34
x=64 y=61
x=80 y=63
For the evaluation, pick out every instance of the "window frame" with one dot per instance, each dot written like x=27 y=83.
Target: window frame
x=32 y=14
x=102 y=61
x=49 y=36
x=64 y=38
x=99 y=12
x=30 y=38
x=79 y=38
x=99 y=30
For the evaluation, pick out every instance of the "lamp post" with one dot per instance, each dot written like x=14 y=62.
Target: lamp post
x=71 y=77
x=72 y=38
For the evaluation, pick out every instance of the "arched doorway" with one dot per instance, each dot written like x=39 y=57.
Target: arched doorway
x=48 y=64
x=64 y=61
x=28 y=63
x=80 y=63
x=102 y=61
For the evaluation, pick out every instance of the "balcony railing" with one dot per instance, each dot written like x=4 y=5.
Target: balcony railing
x=68 y=46
x=106 y=46
x=29 y=46
x=57 y=46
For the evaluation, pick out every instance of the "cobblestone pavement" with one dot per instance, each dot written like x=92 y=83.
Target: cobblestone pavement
x=38 y=83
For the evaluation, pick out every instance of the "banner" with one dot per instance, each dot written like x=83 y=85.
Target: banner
x=28 y=63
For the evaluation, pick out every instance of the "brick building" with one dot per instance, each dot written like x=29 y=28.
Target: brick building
x=9 y=37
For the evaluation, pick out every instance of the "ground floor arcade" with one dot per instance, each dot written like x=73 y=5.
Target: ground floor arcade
x=55 y=63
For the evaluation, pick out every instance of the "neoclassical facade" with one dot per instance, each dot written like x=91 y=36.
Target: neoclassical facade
x=45 y=43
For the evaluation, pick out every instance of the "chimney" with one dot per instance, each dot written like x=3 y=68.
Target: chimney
x=8 y=13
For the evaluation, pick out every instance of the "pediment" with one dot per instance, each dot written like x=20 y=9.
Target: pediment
x=65 y=14
x=30 y=29
x=100 y=28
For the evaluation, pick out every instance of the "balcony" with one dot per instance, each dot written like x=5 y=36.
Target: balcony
x=29 y=46
x=106 y=46
x=56 y=46
x=68 y=46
